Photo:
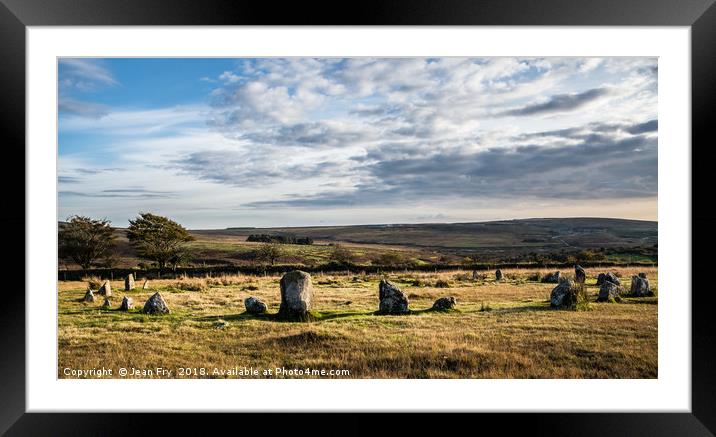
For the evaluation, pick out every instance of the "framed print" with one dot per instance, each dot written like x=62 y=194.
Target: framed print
x=229 y=210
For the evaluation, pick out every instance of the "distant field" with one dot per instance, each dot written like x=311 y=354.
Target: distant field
x=528 y=233
x=618 y=240
x=502 y=329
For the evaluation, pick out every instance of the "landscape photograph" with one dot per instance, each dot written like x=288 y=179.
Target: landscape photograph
x=357 y=218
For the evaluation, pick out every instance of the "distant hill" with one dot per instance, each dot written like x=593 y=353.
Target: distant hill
x=530 y=240
x=525 y=234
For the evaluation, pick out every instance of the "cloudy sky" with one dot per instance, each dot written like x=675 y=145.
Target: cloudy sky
x=216 y=143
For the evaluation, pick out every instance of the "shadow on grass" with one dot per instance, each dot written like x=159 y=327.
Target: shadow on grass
x=315 y=316
x=651 y=300
x=521 y=309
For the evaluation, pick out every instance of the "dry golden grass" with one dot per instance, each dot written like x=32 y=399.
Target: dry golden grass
x=518 y=337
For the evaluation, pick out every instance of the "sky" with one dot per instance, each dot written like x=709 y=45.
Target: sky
x=215 y=143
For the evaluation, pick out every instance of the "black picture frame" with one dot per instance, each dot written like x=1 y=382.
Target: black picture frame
x=16 y=15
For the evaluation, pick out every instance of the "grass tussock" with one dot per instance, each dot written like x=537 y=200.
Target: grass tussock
x=93 y=282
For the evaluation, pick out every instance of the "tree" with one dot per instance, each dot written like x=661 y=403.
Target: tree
x=269 y=252
x=158 y=238
x=85 y=240
x=180 y=257
x=390 y=259
x=341 y=255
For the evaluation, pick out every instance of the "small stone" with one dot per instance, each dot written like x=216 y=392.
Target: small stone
x=392 y=299
x=254 y=305
x=127 y=304
x=611 y=277
x=579 y=274
x=129 y=282
x=475 y=275
x=640 y=286
x=156 y=304
x=601 y=278
x=498 y=275
x=105 y=289
x=552 y=278
x=609 y=292
x=107 y=303
x=445 y=303
x=89 y=296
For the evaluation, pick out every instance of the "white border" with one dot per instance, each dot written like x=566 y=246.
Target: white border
x=670 y=392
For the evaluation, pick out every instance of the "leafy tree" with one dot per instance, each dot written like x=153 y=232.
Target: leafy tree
x=85 y=240
x=110 y=261
x=158 y=239
x=269 y=252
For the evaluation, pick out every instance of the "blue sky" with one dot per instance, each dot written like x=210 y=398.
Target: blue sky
x=301 y=141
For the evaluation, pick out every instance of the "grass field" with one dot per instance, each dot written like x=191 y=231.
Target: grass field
x=500 y=330
x=615 y=240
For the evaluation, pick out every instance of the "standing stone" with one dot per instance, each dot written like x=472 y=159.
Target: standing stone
x=563 y=295
x=107 y=303
x=601 y=278
x=611 y=277
x=498 y=275
x=296 y=296
x=392 y=300
x=89 y=296
x=105 y=289
x=254 y=305
x=640 y=286
x=127 y=304
x=642 y=275
x=146 y=284
x=445 y=303
x=129 y=282
x=475 y=277
x=580 y=275
x=156 y=304
x=609 y=292
x=552 y=278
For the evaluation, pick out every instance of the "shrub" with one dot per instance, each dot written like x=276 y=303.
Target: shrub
x=224 y=281
x=580 y=302
x=342 y=256
x=391 y=259
x=462 y=277
x=186 y=284
x=535 y=277
x=417 y=282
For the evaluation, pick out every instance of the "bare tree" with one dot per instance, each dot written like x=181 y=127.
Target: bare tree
x=269 y=252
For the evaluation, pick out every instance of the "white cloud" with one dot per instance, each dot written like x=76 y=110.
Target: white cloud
x=324 y=133
x=85 y=74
